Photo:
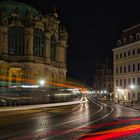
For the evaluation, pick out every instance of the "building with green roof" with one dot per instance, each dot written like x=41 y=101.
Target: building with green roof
x=32 y=46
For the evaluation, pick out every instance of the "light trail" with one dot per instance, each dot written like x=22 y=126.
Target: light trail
x=115 y=133
x=59 y=132
x=33 y=82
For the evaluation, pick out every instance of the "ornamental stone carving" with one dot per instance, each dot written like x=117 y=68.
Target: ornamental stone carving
x=18 y=25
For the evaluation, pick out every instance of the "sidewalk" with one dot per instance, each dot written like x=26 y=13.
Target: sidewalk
x=134 y=105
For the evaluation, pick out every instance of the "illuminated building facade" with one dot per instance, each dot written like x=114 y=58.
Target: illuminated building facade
x=127 y=66
x=32 y=46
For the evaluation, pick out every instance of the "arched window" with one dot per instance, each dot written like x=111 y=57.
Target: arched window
x=38 y=43
x=119 y=43
x=53 y=47
x=125 y=40
x=16 y=41
x=131 y=38
x=137 y=36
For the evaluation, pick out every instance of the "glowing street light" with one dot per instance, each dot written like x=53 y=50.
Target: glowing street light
x=132 y=86
x=42 y=82
x=105 y=91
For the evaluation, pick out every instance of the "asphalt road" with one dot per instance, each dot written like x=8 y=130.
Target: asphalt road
x=91 y=120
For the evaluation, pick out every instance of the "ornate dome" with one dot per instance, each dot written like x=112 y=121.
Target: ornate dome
x=12 y=6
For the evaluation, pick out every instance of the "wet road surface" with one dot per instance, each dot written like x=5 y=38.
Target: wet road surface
x=91 y=120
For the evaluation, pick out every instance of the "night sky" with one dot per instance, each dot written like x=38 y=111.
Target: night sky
x=94 y=26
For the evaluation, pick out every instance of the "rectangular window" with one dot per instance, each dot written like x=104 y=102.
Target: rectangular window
x=120 y=55
x=116 y=82
x=138 y=80
x=138 y=66
x=128 y=53
x=129 y=81
x=124 y=54
x=133 y=67
x=116 y=56
x=124 y=69
x=133 y=80
x=133 y=52
x=120 y=69
x=129 y=68
x=128 y=96
x=133 y=95
x=120 y=82
x=138 y=51
x=124 y=82
x=117 y=70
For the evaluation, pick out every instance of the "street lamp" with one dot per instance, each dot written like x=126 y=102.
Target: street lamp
x=105 y=91
x=132 y=86
x=42 y=82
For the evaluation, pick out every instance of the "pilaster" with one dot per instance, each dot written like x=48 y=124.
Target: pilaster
x=4 y=39
x=47 y=46
x=29 y=36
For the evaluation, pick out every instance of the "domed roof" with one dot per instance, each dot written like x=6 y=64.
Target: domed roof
x=10 y=6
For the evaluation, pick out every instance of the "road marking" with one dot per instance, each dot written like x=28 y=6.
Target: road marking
x=101 y=108
x=39 y=130
x=112 y=109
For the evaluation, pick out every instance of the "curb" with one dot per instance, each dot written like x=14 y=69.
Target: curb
x=44 y=105
x=130 y=107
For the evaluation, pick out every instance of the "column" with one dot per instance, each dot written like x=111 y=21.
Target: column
x=29 y=42
x=58 y=53
x=47 y=46
x=62 y=53
x=27 y=75
x=4 y=39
